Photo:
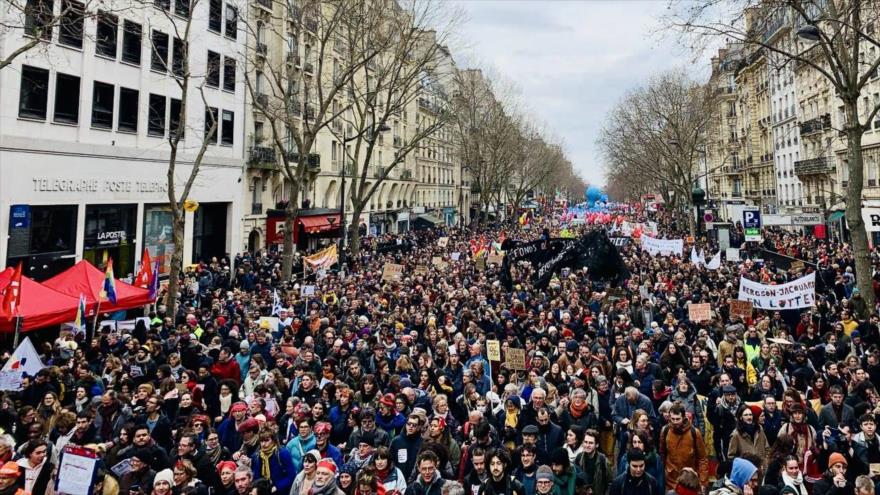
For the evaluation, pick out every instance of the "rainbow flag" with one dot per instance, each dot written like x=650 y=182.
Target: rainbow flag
x=80 y=320
x=110 y=282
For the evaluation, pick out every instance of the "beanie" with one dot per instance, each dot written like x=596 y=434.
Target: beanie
x=544 y=473
x=836 y=458
x=165 y=475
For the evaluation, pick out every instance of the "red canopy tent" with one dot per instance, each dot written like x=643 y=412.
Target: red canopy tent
x=84 y=278
x=40 y=306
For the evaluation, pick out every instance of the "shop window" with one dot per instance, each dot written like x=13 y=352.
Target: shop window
x=128 y=110
x=174 y=119
x=211 y=124
x=102 y=106
x=105 y=43
x=53 y=229
x=71 y=24
x=39 y=15
x=159 y=57
x=158 y=239
x=227 y=134
x=131 y=42
x=229 y=74
x=215 y=15
x=231 y=21
x=66 y=98
x=156 y=116
x=213 y=73
x=34 y=94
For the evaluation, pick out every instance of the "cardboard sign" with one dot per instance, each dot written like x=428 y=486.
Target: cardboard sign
x=700 y=312
x=496 y=258
x=439 y=263
x=481 y=263
x=742 y=309
x=392 y=272
x=455 y=256
x=796 y=266
x=307 y=290
x=443 y=242
x=421 y=270
x=493 y=350
x=516 y=359
x=732 y=254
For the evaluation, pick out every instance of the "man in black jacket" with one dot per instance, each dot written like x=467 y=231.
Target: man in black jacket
x=500 y=481
x=635 y=481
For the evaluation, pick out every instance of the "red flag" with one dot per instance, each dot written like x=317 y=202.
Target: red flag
x=12 y=295
x=145 y=274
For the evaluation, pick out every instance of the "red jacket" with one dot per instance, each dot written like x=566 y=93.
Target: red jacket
x=228 y=370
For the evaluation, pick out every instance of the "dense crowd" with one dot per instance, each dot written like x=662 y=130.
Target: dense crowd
x=370 y=387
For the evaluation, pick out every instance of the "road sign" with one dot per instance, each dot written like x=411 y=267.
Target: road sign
x=752 y=224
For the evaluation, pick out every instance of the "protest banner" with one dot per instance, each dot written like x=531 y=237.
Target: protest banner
x=76 y=471
x=493 y=350
x=739 y=308
x=392 y=272
x=663 y=247
x=732 y=254
x=700 y=312
x=800 y=293
x=516 y=359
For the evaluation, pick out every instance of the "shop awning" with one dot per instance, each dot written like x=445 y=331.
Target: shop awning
x=319 y=223
x=86 y=279
x=837 y=215
x=40 y=306
x=430 y=218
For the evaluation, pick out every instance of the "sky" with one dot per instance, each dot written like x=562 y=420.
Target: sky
x=570 y=61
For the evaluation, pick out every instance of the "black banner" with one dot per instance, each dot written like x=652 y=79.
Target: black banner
x=620 y=241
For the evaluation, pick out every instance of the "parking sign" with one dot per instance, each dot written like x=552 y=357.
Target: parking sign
x=752 y=224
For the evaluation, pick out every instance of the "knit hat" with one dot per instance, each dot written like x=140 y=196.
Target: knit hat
x=544 y=473
x=237 y=407
x=9 y=470
x=836 y=458
x=314 y=453
x=328 y=464
x=225 y=464
x=252 y=425
x=165 y=475
x=322 y=427
x=387 y=400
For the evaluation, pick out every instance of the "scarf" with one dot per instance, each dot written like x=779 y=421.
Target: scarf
x=796 y=483
x=578 y=411
x=225 y=404
x=511 y=418
x=683 y=490
x=749 y=429
x=265 y=455
x=214 y=454
x=383 y=474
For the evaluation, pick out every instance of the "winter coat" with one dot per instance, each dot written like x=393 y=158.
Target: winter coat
x=627 y=485
x=435 y=487
x=826 y=486
x=742 y=443
x=404 y=450
x=297 y=446
x=596 y=471
x=281 y=469
x=680 y=448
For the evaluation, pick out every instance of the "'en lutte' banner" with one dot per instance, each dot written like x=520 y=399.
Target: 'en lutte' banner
x=663 y=247
x=800 y=293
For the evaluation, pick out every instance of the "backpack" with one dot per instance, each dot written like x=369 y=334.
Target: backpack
x=665 y=434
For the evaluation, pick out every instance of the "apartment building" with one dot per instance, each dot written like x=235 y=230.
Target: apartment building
x=725 y=174
x=85 y=122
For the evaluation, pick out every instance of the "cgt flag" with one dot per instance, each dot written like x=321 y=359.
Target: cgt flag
x=11 y=295
x=145 y=274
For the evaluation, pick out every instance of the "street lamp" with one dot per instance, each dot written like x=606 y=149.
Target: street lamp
x=698 y=198
x=809 y=32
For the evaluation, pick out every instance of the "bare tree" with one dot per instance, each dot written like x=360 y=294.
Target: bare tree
x=413 y=67
x=658 y=131
x=535 y=163
x=836 y=38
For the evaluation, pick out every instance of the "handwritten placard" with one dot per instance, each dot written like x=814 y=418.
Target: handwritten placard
x=743 y=309
x=516 y=359
x=77 y=470
x=493 y=350
x=455 y=256
x=392 y=272
x=796 y=266
x=443 y=241
x=439 y=262
x=700 y=312
x=495 y=258
x=421 y=270
x=481 y=263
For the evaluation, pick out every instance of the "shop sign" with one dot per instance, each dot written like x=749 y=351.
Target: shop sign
x=804 y=219
x=114 y=238
x=67 y=184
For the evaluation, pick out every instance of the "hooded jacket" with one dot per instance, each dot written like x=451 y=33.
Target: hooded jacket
x=298 y=446
x=680 y=448
x=740 y=474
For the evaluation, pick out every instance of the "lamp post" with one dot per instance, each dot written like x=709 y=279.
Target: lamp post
x=698 y=198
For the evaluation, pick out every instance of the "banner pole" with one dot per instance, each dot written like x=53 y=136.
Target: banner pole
x=95 y=325
x=17 y=332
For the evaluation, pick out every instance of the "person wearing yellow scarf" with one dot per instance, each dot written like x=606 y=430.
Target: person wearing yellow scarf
x=275 y=464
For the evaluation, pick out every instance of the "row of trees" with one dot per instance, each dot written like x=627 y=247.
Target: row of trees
x=834 y=39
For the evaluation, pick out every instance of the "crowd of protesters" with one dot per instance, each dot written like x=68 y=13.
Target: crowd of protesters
x=370 y=387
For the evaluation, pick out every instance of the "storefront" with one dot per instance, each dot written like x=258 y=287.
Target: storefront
x=158 y=238
x=42 y=239
x=209 y=231
x=111 y=233
x=402 y=222
x=449 y=215
x=312 y=224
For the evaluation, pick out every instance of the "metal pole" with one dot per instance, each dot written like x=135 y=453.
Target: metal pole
x=17 y=332
x=95 y=325
x=342 y=222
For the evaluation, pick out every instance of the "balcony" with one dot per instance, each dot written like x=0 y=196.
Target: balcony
x=398 y=141
x=308 y=67
x=311 y=23
x=262 y=157
x=265 y=4
x=310 y=112
x=379 y=172
x=262 y=49
x=813 y=166
x=262 y=100
x=818 y=124
x=406 y=174
x=293 y=59
x=256 y=208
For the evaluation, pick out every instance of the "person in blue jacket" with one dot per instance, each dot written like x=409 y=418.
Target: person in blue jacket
x=328 y=451
x=273 y=462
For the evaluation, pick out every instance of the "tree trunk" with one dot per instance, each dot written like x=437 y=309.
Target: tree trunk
x=854 y=203
x=289 y=225
x=354 y=234
x=177 y=225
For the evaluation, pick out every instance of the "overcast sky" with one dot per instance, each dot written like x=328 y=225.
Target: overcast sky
x=570 y=60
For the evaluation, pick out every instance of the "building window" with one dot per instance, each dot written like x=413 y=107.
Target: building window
x=179 y=53
x=128 y=110
x=229 y=74
x=159 y=58
x=211 y=116
x=39 y=15
x=181 y=8
x=156 y=116
x=71 y=24
x=66 y=99
x=105 y=44
x=131 y=42
x=213 y=75
x=215 y=15
x=174 y=126
x=231 y=21
x=163 y=4
x=102 y=106
x=227 y=134
x=34 y=94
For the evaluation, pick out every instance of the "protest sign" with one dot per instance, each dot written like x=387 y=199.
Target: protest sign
x=443 y=242
x=481 y=263
x=700 y=312
x=516 y=359
x=663 y=247
x=307 y=290
x=732 y=254
x=800 y=293
x=392 y=272
x=496 y=258
x=493 y=350
x=796 y=266
x=439 y=263
x=77 y=471
x=421 y=270
x=455 y=256
x=739 y=308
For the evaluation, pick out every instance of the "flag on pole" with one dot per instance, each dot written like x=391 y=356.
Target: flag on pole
x=24 y=361
x=12 y=295
x=145 y=274
x=154 y=282
x=110 y=282
x=80 y=320
x=715 y=262
x=322 y=260
x=276 y=303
